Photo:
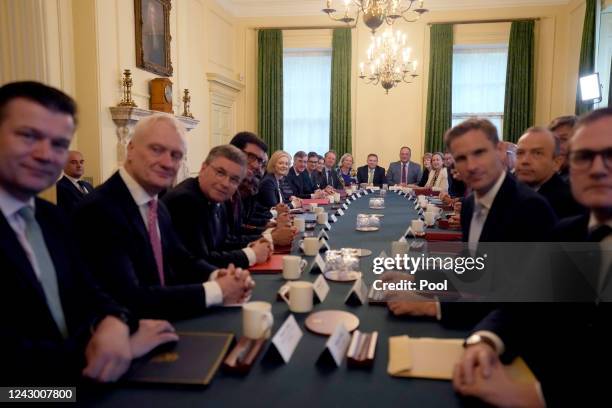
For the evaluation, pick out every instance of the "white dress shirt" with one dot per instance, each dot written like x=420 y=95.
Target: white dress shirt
x=214 y=295
x=482 y=206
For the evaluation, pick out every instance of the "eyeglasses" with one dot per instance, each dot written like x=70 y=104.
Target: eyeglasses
x=252 y=158
x=583 y=159
x=220 y=174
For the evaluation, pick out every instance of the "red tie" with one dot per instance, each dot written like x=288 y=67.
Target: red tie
x=403 y=181
x=155 y=240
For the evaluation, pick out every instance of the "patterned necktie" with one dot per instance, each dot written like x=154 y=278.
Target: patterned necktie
x=403 y=181
x=81 y=184
x=48 y=277
x=155 y=239
x=370 y=176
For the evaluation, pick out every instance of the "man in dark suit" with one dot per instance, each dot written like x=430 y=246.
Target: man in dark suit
x=563 y=127
x=126 y=234
x=299 y=180
x=311 y=170
x=537 y=161
x=372 y=173
x=199 y=216
x=56 y=324
x=404 y=171
x=330 y=180
x=543 y=336
x=70 y=188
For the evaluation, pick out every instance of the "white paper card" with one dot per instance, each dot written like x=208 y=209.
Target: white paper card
x=323 y=234
x=358 y=195
x=327 y=226
x=287 y=338
x=320 y=262
x=325 y=244
x=321 y=288
x=360 y=290
x=345 y=207
x=333 y=218
x=340 y=212
x=338 y=343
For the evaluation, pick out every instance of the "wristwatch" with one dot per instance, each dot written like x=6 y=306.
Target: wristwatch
x=477 y=338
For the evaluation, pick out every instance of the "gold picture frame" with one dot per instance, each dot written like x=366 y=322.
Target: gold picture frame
x=152 y=19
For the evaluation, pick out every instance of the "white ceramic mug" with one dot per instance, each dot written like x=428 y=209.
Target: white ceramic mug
x=430 y=218
x=337 y=197
x=433 y=208
x=300 y=224
x=331 y=199
x=300 y=296
x=311 y=246
x=399 y=248
x=322 y=218
x=293 y=266
x=257 y=320
x=417 y=226
x=319 y=210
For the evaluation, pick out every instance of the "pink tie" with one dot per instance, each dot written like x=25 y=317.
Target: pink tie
x=155 y=240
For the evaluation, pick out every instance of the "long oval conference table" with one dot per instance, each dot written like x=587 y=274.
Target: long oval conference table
x=301 y=382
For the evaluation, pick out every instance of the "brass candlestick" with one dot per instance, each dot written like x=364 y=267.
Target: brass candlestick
x=126 y=86
x=187 y=104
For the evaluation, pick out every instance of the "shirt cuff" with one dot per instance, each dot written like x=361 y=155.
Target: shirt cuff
x=250 y=254
x=214 y=295
x=499 y=344
x=267 y=234
x=438 y=311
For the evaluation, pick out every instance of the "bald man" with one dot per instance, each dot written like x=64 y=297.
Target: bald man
x=70 y=188
x=537 y=163
x=127 y=236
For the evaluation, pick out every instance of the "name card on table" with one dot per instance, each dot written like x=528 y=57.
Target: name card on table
x=358 y=195
x=366 y=192
x=358 y=294
x=321 y=288
x=333 y=218
x=340 y=212
x=327 y=226
x=319 y=263
x=336 y=346
x=416 y=206
x=323 y=234
x=324 y=245
x=344 y=207
x=287 y=338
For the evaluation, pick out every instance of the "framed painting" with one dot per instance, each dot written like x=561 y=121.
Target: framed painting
x=152 y=19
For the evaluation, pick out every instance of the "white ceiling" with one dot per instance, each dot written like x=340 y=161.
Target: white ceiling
x=262 y=8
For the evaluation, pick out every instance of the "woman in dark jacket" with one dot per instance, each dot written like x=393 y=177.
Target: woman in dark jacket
x=274 y=188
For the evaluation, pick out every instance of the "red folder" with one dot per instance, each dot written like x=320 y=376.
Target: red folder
x=443 y=236
x=274 y=265
x=319 y=201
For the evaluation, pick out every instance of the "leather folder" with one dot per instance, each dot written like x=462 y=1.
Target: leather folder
x=273 y=265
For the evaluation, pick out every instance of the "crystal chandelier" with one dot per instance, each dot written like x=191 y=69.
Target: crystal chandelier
x=388 y=61
x=377 y=12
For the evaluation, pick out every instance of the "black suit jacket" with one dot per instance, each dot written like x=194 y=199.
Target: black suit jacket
x=115 y=243
x=518 y=214
x=68 y=196
x=379 y=176
x=559 y=196
x=268 y=196
x=301 y=184
x=34 y=350
x=191 y=214
x=334 y=180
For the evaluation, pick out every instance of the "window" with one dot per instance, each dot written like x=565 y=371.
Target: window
x=479 y=83
x=306 y=93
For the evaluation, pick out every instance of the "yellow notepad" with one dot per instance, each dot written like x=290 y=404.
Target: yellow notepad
x=435 y=358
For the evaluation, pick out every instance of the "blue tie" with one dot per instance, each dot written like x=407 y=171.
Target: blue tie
x=48 y=277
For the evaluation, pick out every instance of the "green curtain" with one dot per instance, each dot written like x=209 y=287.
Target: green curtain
x=440 y=87
x=587 y=53
x=270 y=88
x=519 y=100
x=340 y=95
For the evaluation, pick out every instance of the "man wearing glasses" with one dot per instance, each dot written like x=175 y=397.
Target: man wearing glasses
x=199 y=216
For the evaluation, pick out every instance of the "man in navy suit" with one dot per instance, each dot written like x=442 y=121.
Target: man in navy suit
x=537 y=160
x=126 y=234
x=56 y=324
x=70 y=188
x=372 y=173
x=299 y=179
x=545 y=336
x=330 y=180
x=404 y=171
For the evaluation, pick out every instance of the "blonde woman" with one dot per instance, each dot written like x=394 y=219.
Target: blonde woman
x=438 y=176
x=274 y=188
x=345 y=169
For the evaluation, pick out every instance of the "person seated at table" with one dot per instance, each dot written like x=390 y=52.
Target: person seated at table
x=537 y=162
x=404 y=171
x=543 y=336
x=345 y=169
x=330 y=179
x=199 y=215
x=372 y=174
x=438 y=175
x=126 y=234
x=321 y=164
x=562 y=127
x=274 y=188
x=426 y=169
x=57 y=325
x=299 y=179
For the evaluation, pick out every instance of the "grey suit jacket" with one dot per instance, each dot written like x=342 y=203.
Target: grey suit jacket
x=394 y=174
